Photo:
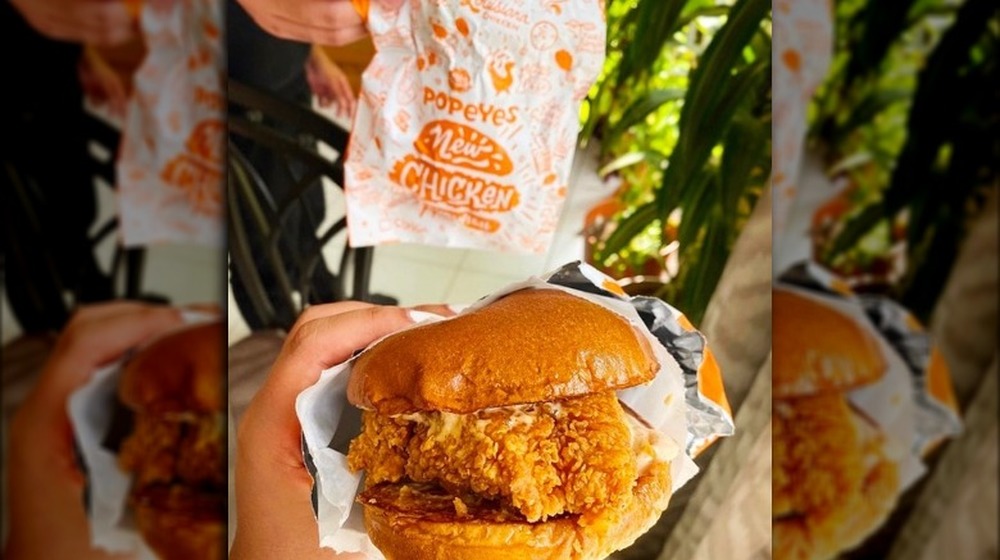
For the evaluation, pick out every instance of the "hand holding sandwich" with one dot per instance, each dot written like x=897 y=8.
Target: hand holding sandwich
x=273 y=510
x=47 y=518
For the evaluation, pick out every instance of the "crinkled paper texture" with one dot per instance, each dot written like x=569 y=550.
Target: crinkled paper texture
x=671 y=403
x=171 y=165
x=467 y=122
x=803 y=48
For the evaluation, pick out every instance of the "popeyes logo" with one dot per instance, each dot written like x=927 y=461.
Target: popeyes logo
x=439 y=173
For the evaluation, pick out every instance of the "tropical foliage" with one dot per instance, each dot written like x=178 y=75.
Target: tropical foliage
x=682 y=114
x=908 y=117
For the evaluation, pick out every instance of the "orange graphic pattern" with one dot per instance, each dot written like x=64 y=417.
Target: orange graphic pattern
x=170 y=167
x=803 y=47
x=476 y=147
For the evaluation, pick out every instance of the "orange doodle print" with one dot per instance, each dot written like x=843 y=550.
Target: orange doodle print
x=459 y=80
x=438 y=175
x=198 y=172
x=490 y=88
x=501 y=68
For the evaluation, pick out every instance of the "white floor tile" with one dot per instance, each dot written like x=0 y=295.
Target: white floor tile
x=504 y=263
x=566 y=248
x=469 y=286
x=411 y=282
x=443 y=256
x=184 y=273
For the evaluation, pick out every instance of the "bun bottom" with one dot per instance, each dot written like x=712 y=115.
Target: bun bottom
x=408 y=521
x=180 y=524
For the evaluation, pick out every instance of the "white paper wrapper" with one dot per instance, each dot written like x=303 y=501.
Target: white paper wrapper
x=90 y=411
x=467 y=122
x=900 y=401
x=329 y=421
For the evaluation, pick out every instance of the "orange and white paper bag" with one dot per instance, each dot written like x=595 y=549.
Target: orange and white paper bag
x=467 y=123
x=170 y=167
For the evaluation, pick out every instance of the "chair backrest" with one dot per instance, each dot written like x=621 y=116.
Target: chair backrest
x=276 y=250
x=46 y=275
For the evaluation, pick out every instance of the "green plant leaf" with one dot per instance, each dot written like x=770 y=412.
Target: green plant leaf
x=655 y=21
x=638 y=111
x=706 y=270
x=699 y=136
x=866 y=110
x=936 y=106
x=627 y=229
x=857 y=227
x=629 y=159
x=745 y=147
x=699 y=204
x=879 y=25
x=693 y=11
x=709 y=78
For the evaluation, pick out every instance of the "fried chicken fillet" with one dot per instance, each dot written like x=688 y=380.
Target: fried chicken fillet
x=499 y=434
x=546 y=459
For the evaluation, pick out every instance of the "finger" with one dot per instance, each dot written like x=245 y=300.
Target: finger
x=326 y=15
x=345 y=97
x=207 y=307
x=94 y=312
x=441 y=309
x=322 y=310
x=391 y=4
x=93 y=29
x=341 y=36
x=317 y=345
x=91 y=343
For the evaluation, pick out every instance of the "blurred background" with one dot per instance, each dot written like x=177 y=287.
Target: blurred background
x=70 y=113
x=897 y=199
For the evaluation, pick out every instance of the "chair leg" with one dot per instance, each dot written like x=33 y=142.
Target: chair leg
x=363 y=259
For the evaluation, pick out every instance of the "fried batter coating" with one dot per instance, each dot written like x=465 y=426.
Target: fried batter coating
x=573 y=456
x=832 y=484
x=163 y=449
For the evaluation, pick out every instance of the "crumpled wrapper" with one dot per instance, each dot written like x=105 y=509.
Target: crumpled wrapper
x=913 y=402
x=685 y=401
x=467 y=121
x=91 y=411
x=803 y=50
x=170 y=170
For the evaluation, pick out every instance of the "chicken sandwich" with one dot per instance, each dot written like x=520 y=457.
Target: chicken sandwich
x=499 y=434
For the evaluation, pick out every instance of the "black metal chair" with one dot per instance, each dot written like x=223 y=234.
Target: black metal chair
x=277 y=265
x=49 y=269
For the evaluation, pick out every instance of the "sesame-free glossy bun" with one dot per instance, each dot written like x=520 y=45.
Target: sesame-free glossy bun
x=530 y=346
x=180 y=372
x=817 y=349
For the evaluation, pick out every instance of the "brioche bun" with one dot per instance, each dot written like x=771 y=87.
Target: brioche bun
x=529 y=346
x=817 y=349
x=180 y=372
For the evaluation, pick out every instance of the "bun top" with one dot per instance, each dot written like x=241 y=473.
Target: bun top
x=180 y=372
x=529 y=346
x=817 y=349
